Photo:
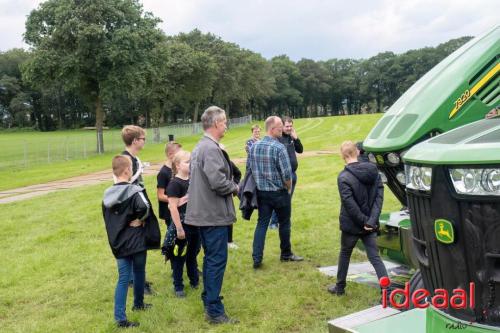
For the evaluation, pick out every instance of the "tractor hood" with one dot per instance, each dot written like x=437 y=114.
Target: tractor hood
x=473 y=144
x=461 y=89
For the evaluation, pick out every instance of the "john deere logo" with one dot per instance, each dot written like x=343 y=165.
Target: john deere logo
x=380 y=159
x=444 y=231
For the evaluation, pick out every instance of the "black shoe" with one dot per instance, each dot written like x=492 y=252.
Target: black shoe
x=126 y=324
x=195 y=286
x=143 y=307
x=293 y=257
x=257 y=264
x=336 y=290
x=222 y=319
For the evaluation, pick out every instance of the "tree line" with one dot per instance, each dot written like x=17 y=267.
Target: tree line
x=106 y=62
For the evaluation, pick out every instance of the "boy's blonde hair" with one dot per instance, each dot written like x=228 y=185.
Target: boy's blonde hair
x=254 y=127
x=121 y=163
x=131 y=132
x=348 y=149
x=180 y=156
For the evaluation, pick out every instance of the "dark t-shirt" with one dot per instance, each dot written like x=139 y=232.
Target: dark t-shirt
x=162 y=179
x=177 y=188
x=135 y=167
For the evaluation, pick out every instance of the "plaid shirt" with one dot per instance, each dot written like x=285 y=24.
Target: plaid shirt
x=270 y=164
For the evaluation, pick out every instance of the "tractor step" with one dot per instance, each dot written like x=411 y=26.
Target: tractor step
x=379 y=319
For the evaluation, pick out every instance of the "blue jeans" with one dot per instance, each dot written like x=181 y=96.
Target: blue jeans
x=193 y=248
x=268 y=201
x=138 y=261
x=214 y=242
x=274 y=216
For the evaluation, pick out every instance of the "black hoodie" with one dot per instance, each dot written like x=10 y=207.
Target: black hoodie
x=123 y=203
x=361 y=194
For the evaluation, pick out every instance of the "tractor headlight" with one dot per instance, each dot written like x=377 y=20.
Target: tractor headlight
x=401 y=177
x=426 y=178
x=372 y=158
x=476 y=181
x=393 y=159
x=490 y=179
x=418 y=178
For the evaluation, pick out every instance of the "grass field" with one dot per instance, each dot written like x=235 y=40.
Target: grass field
x=58 y=274
x=319 y=134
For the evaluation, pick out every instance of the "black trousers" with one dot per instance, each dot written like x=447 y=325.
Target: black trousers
x=347 y=243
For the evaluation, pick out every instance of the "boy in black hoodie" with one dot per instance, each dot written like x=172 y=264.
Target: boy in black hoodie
x=125 y=210
x=361 y=194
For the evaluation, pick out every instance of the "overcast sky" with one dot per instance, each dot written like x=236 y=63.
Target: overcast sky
x=315 y=29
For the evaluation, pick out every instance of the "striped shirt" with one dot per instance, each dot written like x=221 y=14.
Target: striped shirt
x=270 y=164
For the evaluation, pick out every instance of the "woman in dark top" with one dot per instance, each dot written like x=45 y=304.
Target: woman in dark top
x=187 y=253
x=162 y=180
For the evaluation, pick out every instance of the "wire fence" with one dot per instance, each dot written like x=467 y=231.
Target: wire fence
x=47 y=148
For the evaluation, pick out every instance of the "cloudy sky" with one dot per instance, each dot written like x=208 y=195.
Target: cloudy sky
x=315 y=29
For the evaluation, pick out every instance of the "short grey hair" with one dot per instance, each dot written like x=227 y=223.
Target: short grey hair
x=211 y=115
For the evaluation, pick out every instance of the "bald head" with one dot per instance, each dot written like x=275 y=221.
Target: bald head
x=274 y=126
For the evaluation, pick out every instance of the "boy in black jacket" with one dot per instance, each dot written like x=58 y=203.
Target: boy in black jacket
x=361 y=194
x=125 y=209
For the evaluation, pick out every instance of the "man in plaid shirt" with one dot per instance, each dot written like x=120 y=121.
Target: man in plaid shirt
x=270 y=165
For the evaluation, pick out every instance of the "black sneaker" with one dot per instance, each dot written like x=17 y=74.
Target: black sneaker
x=222 y=319
x=143 y=307
x=195 y=286
x=127 y=324
x=333 y=289
x=257 y=264
x=293 y=257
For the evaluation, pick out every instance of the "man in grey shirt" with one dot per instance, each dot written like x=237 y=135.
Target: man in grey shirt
x=211 y=208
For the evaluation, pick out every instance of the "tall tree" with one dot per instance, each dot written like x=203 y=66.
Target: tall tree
x=94 y=47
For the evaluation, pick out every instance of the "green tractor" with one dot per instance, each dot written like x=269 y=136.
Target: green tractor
x=453 y=194
x=453 y=191
x=440 y=117
x=461 y=89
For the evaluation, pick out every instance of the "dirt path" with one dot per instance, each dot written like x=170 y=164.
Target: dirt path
x=32 y=191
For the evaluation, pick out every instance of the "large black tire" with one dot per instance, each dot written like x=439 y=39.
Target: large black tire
x=416 y=282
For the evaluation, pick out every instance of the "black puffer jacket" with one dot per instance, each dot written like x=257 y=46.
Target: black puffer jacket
x=362 y=194
x=123 y=203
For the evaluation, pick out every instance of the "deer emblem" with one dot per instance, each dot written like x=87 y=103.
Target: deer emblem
x=444 y=231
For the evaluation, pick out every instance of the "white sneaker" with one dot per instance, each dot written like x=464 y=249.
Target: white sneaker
x=232 y=245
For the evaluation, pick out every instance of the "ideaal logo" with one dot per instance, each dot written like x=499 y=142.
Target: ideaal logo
x=441 y=299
